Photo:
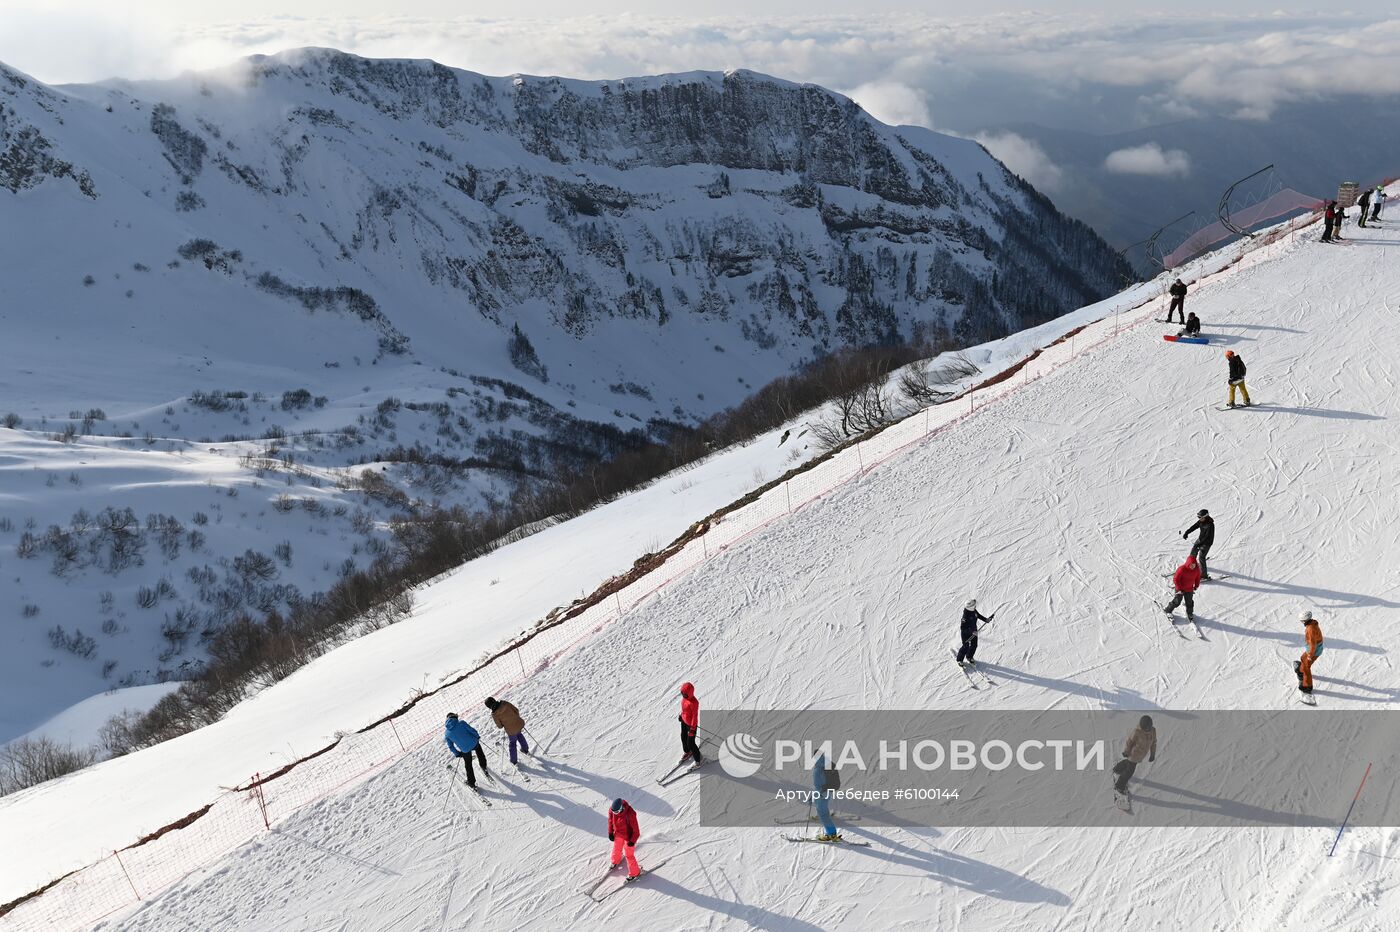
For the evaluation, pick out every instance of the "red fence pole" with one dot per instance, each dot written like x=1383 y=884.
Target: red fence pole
x=1349 y=808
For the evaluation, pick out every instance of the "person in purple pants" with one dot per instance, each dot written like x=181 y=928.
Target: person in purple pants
x=507 y=718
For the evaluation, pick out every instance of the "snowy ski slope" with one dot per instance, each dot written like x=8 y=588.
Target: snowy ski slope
x=1060 y=506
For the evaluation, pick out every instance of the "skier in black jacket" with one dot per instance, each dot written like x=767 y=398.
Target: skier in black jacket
x=968 y=630
x=1365 y=202
x=1206 y=525
x=1236 y=377
x=1178 y=305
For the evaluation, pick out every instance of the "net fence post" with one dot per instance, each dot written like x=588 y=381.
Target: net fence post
x=262 y=800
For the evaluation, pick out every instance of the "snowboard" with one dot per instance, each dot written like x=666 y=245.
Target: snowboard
x=1123 y=802
x=1305 y=698
x=1173 y=338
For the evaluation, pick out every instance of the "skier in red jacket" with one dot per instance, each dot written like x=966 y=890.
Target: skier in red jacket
x=1186 y=580
x=690 y=724
x=623 y=833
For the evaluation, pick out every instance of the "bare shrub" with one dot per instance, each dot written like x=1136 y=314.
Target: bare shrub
x=31 y=761
x=254 y=565
x=77 y=643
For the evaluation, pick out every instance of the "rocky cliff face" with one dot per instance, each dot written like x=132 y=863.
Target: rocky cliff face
x=692 y=235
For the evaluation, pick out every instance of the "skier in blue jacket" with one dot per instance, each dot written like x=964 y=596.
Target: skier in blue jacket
x=462 y=739
x=822 y=784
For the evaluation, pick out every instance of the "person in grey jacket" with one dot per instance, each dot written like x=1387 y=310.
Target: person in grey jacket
x=1141 y=743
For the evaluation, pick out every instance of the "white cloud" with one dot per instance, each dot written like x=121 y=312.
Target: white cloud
x=1058 y=69
x=1149 y=159
x=1026 y=159
x=893 y=102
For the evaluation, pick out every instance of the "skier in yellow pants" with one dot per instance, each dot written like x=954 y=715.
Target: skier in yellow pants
x=1236 y=377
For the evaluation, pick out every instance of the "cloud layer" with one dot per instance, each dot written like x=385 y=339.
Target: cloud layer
x=1150 y=159
x=1104 y=73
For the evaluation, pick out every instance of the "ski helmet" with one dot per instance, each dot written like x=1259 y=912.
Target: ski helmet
x=452 y=716
x=617 y=804
x=972 y=604
x=1229 y=353
x=1202 y=513
x=1145 y=723
x=1306 y=617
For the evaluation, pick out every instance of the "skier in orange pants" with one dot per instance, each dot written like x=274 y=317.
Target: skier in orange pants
x=1314 y=650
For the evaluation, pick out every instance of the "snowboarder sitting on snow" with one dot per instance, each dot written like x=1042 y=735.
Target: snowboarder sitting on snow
x=1178 y=305
x=462 y=739
x=1141 y=743
x=690 y=724
x=1186 y=580
x=623 y=833
x=507 y=718
x=1236 y=377
x=823 y=781
x=1206 y=525
x=1303 y=667
x=968 y=630
x=1192 y=328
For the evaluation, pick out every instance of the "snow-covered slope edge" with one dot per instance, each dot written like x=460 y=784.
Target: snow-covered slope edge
x=992 y=356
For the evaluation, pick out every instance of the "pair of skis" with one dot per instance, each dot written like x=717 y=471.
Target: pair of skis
x=807 y=819
x=458 y=779
x=676 y=773
x=838 y=841
x=969 y=670
x=1171 y=619
x=592 y=891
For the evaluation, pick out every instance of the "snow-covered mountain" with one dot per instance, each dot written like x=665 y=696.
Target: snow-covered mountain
x=229 y=296
x=1058 y=499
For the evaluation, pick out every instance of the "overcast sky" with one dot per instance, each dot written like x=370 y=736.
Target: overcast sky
x=930 y=64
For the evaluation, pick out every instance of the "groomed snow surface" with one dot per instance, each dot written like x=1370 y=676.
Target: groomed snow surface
x=1059 y=504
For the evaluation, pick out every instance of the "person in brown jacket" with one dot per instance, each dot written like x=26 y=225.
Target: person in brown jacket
x=507 y=717
x=1141 y=743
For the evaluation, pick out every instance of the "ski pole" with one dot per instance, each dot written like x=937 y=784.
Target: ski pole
x=536 y=744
